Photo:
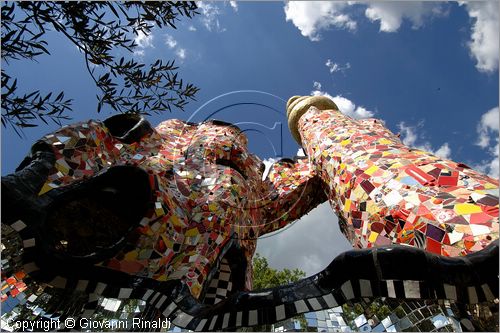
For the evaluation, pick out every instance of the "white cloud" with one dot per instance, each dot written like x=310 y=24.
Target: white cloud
x=209 y=16
x=335 y=67
x=345 y=105
x=144 y=41
x=484 y=41
x=487 y=125
x=408 y=134
x=317 y=85
x=191 y=28
x=234 y=5
x=410 y=137
x=493 y=165
x=310 y=17
x=391 y=14
x=310 y=244
x=332 y=66
x=172 y=44
x=170 y=41
x=444 y=151
x=488 y=131
x=181 y=53
x=139 y=53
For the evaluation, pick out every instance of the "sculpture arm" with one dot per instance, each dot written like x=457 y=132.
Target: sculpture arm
x=389 y=193
x=83 y=149
x=293 y=190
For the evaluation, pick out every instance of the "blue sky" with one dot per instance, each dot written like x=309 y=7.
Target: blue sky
x=428 y=69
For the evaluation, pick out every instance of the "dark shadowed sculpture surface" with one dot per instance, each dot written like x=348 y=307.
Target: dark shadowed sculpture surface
x=171 y=216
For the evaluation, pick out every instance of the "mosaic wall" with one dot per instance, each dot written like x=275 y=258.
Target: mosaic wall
x=171 y=215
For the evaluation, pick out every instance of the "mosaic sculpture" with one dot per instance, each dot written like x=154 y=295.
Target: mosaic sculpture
x=170 y=215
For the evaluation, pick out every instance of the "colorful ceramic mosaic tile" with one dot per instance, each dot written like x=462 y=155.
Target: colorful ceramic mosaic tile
x=389 y=193
x=207 y=188
x=207 y=204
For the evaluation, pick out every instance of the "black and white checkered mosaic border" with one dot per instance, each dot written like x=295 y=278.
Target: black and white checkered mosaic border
x=268 y=306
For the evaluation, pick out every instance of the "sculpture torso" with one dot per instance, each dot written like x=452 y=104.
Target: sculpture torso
x=206 y=190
